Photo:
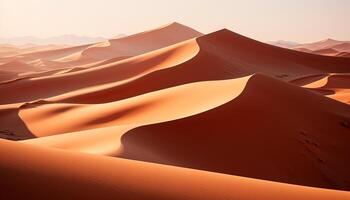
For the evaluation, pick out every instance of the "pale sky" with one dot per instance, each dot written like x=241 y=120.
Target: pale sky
x=265 y=20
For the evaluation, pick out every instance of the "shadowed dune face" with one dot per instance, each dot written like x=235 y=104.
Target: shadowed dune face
x=12 y=126
x=280 y=136
x=222 y=55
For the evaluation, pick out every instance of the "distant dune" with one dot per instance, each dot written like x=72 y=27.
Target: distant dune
x=328 y=47
x=327 y=43
x=61 y=39
x=344 y=54
x=172 y=113
x=284 y=44
x=103 y=52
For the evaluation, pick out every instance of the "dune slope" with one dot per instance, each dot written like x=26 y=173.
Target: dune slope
x=221 y=55
x=56 y=174
x=292 y=135
x=163 y=105
x=101 y=53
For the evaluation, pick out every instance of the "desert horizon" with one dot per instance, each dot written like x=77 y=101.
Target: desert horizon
x=173 y=112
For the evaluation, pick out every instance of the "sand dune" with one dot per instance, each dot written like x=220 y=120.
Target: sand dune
x=124 y=70
x=344 y=54
x=342 y=47
x=7 y=75
x=221 y=55
x=99 y=141
x=145 y=109
x=150 y=40
x=327 y=43
x=232 y=135
x=328 y=47
x=7 y=50
x=114 y=48
x=232 y=138
x=335 y=86
x=326 y=52
x=172 y=107
x=103 y=52
x=17 y=66
x=64 y=175
x=303 y=49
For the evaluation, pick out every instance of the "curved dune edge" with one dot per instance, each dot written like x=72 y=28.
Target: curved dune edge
x=168 y=57
x=79 y=54
x=101 y=52
x=236 y=129
x=335 y=86
x=113 y=178
x=164 y=105
x=100 y=141
x=297 y=125
x=105 y=50
x=107 y=75
x=143 y=65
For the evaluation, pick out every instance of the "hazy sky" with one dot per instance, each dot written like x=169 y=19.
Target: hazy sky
x=266 y=20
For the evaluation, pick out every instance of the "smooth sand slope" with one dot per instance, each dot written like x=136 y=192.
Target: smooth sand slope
x=163 y=105
x=121 y=116
x=293 y=135
x=55 y=174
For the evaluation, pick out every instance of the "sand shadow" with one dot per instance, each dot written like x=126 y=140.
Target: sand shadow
x=246 y=132
x=12 y=127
